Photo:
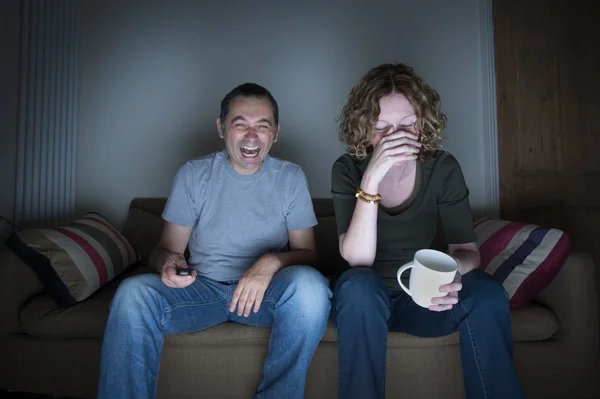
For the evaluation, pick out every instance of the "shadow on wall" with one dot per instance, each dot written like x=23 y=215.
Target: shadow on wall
x=479 y=213
x=86 y=207
x=200 y=144
x=289 y=147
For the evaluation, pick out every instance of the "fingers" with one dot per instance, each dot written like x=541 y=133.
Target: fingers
x=445 y=300
x=401 y=142
x=184 y=281
x=179 y=281
x=249 y=303
x=400 y=146
x=167 y=282
x=388 y=142
x=259 y=297
x=444 y=303
x=246 y=298
x=236 y=297
x=242 y=302
x=169 y=275
x=400 y=134
x=404 y=150
x=452 y=287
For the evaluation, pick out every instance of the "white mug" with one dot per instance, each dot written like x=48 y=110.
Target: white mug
x=430 y=270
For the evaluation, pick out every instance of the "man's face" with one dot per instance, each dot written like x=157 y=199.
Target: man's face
x=249 y=131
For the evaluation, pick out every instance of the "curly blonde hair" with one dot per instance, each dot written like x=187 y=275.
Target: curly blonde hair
x=359 y=114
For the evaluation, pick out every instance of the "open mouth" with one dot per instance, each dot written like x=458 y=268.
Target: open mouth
x=250 y=151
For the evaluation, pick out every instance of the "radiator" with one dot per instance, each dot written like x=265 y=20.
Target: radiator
x=47 y=126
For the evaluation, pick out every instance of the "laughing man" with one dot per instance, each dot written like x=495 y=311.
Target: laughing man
x=247 y=219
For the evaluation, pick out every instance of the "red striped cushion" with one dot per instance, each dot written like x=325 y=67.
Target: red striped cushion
x=74 y=261
x=524 y=257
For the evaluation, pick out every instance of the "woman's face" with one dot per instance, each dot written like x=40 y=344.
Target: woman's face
x=395 y=114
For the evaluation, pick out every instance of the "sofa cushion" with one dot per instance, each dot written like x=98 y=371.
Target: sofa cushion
x=531 y=323
x=41 y=317
x=75 y=260
x=525 y=258
x=143 y=230
x=330 y=262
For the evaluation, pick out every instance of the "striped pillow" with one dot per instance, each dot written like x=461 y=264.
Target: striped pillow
x=74 y=261
x=524 y=257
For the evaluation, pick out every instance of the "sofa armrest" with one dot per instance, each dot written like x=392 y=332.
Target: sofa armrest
x=18 y=283
x=573 y=298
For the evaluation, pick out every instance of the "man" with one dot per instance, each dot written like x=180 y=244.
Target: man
x=248 y=220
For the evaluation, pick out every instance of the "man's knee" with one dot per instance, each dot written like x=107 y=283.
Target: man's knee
x=135 y=293
x=308 y=291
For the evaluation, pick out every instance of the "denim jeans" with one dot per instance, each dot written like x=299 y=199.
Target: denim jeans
x=296 y=305
x=364 y=312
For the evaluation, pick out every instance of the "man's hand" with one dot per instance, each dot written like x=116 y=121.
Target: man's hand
x=252 y=286
x=447 y=302
x=168 y=276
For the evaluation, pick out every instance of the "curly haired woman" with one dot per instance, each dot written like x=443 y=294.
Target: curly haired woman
x=391 y=126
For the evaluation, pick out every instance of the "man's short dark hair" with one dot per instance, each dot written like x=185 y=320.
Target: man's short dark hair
x=248 y=90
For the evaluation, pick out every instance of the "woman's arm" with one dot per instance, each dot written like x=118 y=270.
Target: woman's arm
x=467 y=256
x=358 y=245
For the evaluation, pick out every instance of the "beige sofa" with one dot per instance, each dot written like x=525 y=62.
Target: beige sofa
x=46 y=349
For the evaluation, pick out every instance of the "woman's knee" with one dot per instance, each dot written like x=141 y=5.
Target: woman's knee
x=483 y=289
x=359 y=279
x=362 y=288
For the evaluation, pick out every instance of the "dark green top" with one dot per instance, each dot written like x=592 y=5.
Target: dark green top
x=440 y=195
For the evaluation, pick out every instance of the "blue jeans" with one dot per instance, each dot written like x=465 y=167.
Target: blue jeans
x=364 y=312
x=296 y=305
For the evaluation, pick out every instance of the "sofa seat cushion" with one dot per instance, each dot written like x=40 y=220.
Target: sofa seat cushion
x=531 y=323
x=42 y=317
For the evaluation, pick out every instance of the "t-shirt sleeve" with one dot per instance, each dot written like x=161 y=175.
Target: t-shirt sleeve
x=453 y=204
x=343 y=190
x=180 y=207
x=300 y=214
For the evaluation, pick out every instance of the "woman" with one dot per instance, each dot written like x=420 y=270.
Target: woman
x=389 y=191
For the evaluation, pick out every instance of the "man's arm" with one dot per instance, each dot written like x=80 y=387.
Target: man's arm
x=168 y=255
x=252 y=286
x=302 y=251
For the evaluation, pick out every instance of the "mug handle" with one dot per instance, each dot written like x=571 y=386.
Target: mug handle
x=402 y=270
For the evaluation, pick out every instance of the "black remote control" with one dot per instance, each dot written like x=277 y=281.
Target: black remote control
x=183 y=271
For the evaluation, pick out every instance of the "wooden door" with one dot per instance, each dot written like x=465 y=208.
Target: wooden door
x=548 y=102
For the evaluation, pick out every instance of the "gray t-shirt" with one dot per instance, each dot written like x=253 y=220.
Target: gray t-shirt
x=237 y=218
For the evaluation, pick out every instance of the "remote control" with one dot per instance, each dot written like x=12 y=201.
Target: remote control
x=183 y=271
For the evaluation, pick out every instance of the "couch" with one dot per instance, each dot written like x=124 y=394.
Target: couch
x=53 y=350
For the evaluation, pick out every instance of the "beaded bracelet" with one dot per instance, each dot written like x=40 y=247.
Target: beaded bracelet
x=368 y=198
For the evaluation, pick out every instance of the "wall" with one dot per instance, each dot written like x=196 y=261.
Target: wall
x=153 y=74
x=9 y=80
